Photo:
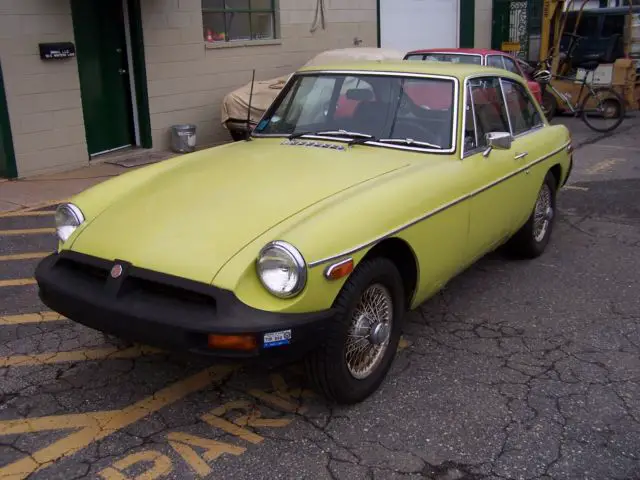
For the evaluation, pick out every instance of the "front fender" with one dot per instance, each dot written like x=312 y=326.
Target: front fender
x=95 y=200
x=353 y=221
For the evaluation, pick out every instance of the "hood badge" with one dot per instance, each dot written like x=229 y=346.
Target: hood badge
x=314 y=144
x=116 y=270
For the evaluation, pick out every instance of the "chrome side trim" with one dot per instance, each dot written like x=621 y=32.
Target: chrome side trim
x=441 y=208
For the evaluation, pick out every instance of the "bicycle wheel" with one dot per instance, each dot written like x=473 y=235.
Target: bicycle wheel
x=603 y=109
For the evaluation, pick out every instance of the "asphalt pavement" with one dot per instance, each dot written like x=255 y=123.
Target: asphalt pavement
x=516 y=370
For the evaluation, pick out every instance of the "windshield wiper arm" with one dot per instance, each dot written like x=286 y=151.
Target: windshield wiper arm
x=362 y=141
x=409 y=142
x=342 y=133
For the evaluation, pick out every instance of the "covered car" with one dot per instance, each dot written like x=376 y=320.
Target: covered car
x=235 y=105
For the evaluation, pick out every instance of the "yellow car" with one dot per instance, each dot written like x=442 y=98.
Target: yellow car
x=362 y=191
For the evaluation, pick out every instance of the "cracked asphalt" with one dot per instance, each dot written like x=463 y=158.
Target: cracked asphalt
x=516 y=370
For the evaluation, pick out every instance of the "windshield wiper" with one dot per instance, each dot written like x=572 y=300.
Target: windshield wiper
x=409 y=142
x=362 y=141
x=342 y=133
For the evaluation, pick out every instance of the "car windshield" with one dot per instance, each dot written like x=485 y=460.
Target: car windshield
x=392 y=110
x=447 y=57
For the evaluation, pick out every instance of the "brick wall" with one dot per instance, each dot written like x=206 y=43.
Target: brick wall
x=43 y=97
x=188 y=79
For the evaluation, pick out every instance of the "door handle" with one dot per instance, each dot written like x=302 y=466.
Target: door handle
x=520 y=156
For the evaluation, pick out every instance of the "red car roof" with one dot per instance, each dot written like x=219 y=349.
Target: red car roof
x=476 y=51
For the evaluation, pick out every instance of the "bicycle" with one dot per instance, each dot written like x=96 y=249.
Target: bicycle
x=601 y=102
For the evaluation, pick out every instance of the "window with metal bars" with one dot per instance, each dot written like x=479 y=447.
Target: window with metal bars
x=238 y=20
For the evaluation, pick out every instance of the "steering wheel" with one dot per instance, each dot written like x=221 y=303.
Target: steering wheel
x=409 y=128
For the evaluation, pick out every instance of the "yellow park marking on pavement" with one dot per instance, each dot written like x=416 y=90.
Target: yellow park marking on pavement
x=95 y=426
x=18 y=282
x=23 y=256
x=40 y=317
x=89 y=354
x=161 y=466
x=617 y=147
x=604 y=165
x=27 y=231
x=182 y=442
x=32 y=208
x=19 y=213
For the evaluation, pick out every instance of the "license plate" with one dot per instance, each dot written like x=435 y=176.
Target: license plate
x=277 y=339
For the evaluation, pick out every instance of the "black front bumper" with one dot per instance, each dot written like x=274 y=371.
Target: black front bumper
x=166 y=311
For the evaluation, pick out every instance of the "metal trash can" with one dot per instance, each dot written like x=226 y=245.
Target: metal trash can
x=183 y=138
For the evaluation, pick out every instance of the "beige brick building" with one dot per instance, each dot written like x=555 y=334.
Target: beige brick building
x=141 y=66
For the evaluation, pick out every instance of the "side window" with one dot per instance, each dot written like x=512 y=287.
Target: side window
x=522 y=112
x=495 y=61
x=511 y=66
x=588 y=26
x=612 y=25
x=486 y=107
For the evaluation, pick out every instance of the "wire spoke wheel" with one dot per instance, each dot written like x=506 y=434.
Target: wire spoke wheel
x=543 y=213
x=369 y=332
x=603 y=110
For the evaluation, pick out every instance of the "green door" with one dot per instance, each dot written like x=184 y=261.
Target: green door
x=501 y=23
x=7 y=154
x=104 y=74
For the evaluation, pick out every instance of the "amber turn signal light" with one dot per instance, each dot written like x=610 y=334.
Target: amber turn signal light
x=233 y=342
x=339 y=270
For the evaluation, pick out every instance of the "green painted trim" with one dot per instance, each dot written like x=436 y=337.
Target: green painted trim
x=467 y=23
x=379 y=33
x=8 y=167
x=140 y=73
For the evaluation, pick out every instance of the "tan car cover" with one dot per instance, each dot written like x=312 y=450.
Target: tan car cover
x=236 y=103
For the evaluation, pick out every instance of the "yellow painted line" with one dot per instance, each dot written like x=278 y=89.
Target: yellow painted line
x=18 y=282
x=23 y=256
x=20 y=213
x=77 y=356
x=604 y=165
x=617 y=147
x=97 y=425
x=161 y=466
x=40 y=317
x=27 y=231
x=33 y=207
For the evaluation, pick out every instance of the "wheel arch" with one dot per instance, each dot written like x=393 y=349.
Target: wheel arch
x=403 y=256
x=556 y=171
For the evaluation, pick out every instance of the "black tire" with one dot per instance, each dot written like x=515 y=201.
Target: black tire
x=524 y=243
x=613 y=98
x=549 y=105
x=327 y=366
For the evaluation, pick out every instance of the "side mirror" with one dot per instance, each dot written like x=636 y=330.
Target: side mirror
x=499 y=141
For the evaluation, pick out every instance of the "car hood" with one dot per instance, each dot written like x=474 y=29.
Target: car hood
x=192 y=218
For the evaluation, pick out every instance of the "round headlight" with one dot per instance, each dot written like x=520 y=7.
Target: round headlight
x=282 y=269
x=68 y=218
